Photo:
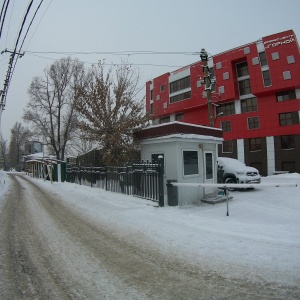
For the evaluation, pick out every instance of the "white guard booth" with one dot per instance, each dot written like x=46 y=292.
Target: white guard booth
x=189 y=153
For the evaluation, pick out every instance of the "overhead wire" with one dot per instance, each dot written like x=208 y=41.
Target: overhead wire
x=3 y=5
x=128 y=52
x=11 y=61
x=39 y=23
x=108 y=64
x=3 y=18
x=20 y=49
x=9 y=23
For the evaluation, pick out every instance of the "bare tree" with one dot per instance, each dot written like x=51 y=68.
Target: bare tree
x=52 y=102
x=80 y=144
x=18 y=139
x=3 y=153
x=109 y=110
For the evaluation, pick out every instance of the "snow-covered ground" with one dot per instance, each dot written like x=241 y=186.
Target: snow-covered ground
x=259 y=240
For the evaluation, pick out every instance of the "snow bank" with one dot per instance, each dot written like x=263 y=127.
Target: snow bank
x=4 y=183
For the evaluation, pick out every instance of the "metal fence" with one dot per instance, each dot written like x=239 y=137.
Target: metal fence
x=144 y=180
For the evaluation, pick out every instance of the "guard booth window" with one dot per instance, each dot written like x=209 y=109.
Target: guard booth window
x=190 y=163
x=208 y=165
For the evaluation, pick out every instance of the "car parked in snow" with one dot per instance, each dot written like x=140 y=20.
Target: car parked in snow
x=233 y=171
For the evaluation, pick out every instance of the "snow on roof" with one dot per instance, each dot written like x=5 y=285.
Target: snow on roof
x=186 y=136
x=37 y=155
x=180 y=123
x=40 y=156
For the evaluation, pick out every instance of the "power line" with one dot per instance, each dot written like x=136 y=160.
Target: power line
x=21 y=29
x=108 y=64
x=130 y=52
x=3 y=19
x=9 y=22
x=20 y=49
x=39 y=23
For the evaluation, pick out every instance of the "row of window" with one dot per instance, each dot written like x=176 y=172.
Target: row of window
x=285 y=119
x=180 y=84
x=228 y=109
x=250 y=104
x=255 y=144
x=241 y=71
x=243 y=85
x=178 y=117
x=180 y=97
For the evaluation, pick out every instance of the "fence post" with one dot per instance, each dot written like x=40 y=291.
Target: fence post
x=161 y=200
x=80 y=174
x=106 y=178
x=91 y=176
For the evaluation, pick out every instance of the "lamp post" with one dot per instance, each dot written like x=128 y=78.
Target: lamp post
x=207 y=82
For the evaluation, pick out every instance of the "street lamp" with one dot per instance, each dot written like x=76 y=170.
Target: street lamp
x=207 y=82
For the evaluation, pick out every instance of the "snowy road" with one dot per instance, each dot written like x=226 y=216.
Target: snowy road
x=49 y=249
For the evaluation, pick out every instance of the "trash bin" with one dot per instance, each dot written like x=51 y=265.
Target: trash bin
x=172 y=192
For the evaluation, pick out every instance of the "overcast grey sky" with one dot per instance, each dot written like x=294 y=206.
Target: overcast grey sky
x=132 y=25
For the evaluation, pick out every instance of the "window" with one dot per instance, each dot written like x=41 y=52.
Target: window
x=151 y=108
x=164 y=120
x=255 y=144
x=180 y=97
x=267 y=78
x=285 y=119
x=287 y=142
x=242 y=69
x=253 y=123
x=227 y=147
x=275 y=55
x=244 y=87
x=287 y=75
x=180 y=84
x=209 y=166
x=151 y=94
x=226 y=126
x=249 y=104
x=263 y=59
x=179 y=117
x=226 y=109
x=289 y=118
x=190 y=162
x=291 y=59
x=162 y=88
x=286 y=95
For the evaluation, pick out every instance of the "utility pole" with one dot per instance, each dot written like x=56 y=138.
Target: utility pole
x=207 y=82
x=3 y=93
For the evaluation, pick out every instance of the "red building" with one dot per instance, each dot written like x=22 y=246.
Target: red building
x=256 y=101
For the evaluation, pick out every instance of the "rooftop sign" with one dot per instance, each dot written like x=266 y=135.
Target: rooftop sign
x=279 y=41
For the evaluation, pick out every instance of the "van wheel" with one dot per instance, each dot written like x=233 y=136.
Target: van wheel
x=230 y=180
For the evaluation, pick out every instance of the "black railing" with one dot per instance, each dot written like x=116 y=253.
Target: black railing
x=144 y=180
